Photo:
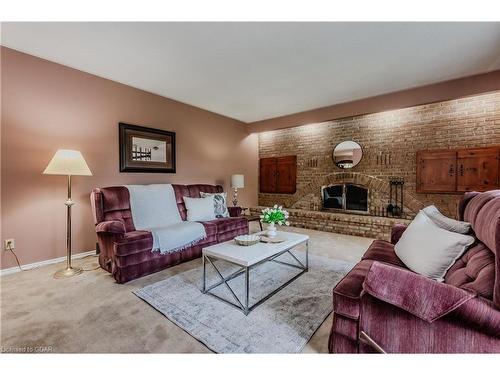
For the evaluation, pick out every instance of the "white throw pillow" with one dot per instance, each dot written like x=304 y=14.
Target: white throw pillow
x=430 y=250
x=200 y=209
x=445 y=222
x=220 y=203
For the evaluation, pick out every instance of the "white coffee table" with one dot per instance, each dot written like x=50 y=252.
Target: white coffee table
x=248 y=257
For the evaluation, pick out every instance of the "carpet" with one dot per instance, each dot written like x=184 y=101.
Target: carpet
x=282 y=324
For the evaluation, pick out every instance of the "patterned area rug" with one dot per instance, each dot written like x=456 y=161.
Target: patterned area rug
x=282 y=324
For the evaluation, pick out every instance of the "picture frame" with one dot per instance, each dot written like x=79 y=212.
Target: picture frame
x=146 y=150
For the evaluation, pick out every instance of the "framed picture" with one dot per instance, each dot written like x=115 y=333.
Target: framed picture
x=146 y=150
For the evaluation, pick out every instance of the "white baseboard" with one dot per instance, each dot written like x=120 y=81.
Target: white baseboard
x=31 y=266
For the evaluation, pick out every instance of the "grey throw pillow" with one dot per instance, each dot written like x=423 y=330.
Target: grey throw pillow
x=220 y=203
x=430 y=250
x=445 y=222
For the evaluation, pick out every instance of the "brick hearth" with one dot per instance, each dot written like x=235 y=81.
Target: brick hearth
x=357 y=225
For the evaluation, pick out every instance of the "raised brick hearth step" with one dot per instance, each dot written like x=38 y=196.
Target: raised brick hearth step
x=337 y=222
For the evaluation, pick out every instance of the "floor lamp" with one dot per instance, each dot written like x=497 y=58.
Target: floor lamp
x=68 y=163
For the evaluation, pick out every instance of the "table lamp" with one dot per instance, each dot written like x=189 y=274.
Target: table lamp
x=237 y=182
x=68 y=163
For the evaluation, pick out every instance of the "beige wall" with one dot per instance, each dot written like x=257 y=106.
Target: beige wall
x=46 y=106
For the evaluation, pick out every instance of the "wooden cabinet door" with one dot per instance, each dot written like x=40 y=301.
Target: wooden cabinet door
x=436 y=171
x=267 y=175
x=286 y=176
x=477 y=169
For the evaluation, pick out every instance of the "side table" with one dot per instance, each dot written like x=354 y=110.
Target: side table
x=251 y=217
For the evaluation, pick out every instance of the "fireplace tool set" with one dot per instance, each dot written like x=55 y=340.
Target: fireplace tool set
x=395 y=206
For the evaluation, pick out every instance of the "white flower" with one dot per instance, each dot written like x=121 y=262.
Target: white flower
x=275 y=206
x=279 y=223
x=287 y=223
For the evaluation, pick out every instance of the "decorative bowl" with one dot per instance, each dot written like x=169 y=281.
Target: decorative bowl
x=247 y=239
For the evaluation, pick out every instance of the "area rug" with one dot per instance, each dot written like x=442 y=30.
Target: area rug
x=282 y=324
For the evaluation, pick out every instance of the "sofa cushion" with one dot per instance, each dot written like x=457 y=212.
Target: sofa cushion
x=483 y=212
x=474 y=271
x=487 y=225
x=383 y=251
x=180 y=192
x=195 y=190
x=226 y=224
x=134 y=242
x=229 y=227
x=476 y=204
x=135 y=247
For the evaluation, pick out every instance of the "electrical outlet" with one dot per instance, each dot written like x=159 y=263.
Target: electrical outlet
x=9 y=244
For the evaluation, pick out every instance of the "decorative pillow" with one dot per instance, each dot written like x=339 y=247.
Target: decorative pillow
x=200 y=209
x=445 y=222
x=220 y=203
x=430 y=250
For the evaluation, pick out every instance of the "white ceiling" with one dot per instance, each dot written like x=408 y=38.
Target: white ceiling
x=255 y=71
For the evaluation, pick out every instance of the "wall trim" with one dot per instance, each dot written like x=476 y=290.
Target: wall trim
x=437 y=92
x=31 y=266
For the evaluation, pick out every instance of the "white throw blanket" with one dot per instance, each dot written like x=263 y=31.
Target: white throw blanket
x=154 y=209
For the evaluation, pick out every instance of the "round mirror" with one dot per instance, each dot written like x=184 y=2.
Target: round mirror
x=347 y=154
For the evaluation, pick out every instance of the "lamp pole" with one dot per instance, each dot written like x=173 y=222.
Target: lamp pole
x=69 y=271
x=235 y=197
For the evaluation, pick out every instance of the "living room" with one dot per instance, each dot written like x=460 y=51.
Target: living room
x=250 y=187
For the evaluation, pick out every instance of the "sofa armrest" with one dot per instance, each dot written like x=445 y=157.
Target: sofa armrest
x=235 y=211
x=422 y=297
x=112 y=227
x=396 y=232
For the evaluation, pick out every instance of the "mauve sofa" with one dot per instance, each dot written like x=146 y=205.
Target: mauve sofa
x=126 y=252
x=403 y=312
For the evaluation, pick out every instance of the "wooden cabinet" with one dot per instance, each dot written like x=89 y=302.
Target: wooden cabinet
x=477 y=169
x=267 y=175
x=278 y=175
x=457 y=171
x=436 y=171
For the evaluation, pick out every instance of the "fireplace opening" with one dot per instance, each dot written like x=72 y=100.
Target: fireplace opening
x=345 y=197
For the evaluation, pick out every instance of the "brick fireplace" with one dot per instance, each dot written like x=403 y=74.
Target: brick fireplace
x=307 y=210
x=389 y=142
x=345 y=198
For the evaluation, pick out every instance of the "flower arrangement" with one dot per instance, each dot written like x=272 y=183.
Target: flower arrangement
x=275 y=215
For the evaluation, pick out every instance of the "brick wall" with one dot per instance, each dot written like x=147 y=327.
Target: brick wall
x=393 y=137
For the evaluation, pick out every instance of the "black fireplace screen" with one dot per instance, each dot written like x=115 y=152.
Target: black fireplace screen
x=347 y=197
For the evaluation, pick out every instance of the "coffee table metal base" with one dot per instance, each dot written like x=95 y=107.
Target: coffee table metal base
x=244 y=305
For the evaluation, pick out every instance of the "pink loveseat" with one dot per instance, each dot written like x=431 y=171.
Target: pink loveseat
x=126 y=252
x=382 y=305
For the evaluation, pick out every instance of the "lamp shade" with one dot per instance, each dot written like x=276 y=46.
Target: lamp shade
x=237 y=181
x=68 y=162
